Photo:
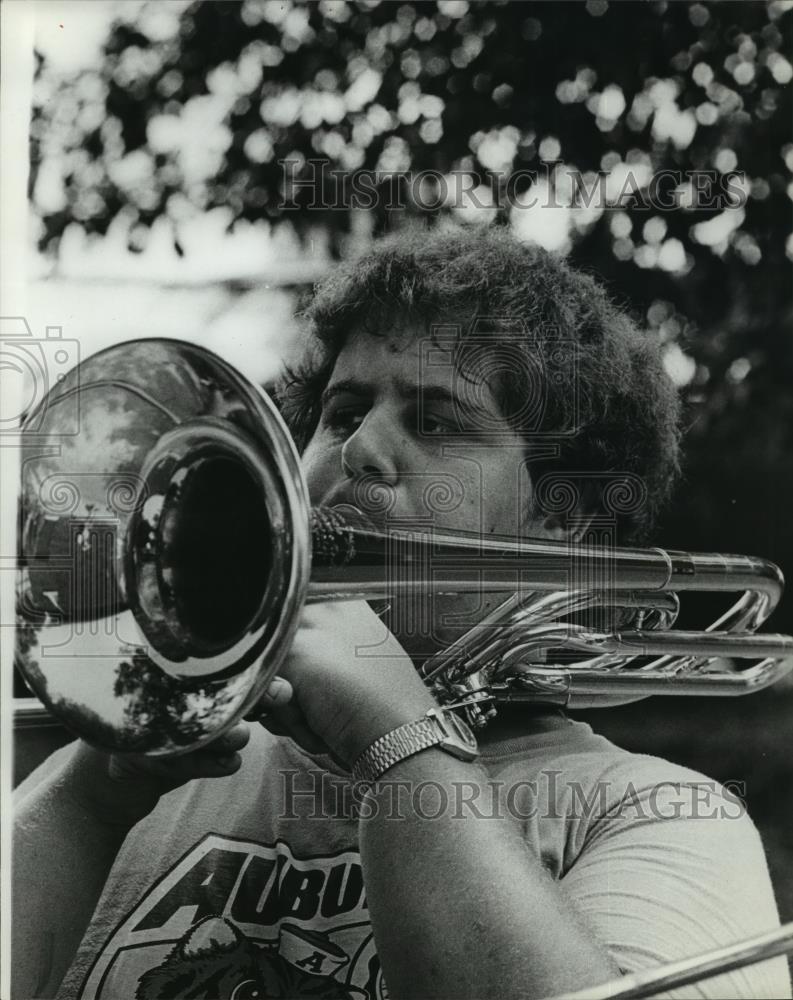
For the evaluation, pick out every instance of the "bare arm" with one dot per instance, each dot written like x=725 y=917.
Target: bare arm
x=70 y=821
x=461 y=907
x=62 y=855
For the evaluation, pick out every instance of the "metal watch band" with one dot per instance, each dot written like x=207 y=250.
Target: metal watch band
x=398 y=745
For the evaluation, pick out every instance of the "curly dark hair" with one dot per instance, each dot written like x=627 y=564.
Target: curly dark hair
x=607 y=402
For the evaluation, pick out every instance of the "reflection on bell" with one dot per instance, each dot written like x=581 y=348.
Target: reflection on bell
x=163 y=549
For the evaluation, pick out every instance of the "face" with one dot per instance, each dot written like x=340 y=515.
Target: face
x=405 y=438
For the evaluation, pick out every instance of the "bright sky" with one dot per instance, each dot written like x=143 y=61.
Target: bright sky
x=70 y=33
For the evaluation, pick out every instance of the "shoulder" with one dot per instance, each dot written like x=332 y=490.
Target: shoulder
x=600 y=801
x=662 y=860
x=566 y=757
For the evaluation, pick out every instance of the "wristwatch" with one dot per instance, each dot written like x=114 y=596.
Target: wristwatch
x=439 y=728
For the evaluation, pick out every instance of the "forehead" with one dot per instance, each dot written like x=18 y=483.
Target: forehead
x=411 y=356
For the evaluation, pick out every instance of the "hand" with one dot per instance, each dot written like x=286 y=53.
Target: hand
x=120 y=789
x=352 y=682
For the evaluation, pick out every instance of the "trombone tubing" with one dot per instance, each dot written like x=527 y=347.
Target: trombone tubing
x=691 y=970
x=352 y=565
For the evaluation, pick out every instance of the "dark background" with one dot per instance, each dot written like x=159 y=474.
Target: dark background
x=471 y=86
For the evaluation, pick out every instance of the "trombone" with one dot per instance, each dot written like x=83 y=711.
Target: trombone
x=675 y=975
x=167 y=547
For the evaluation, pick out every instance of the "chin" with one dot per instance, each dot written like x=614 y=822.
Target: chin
x=421 y=645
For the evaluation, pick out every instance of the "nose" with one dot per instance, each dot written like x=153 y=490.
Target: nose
x=372 y=449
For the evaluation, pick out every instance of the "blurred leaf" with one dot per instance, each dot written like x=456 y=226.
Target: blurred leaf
x=194 y=104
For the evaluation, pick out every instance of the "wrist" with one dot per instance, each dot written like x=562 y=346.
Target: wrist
x=437 y=729
x=371 y=726
x=430 y=765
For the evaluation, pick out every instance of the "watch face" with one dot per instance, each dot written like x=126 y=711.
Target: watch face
x=460 y=729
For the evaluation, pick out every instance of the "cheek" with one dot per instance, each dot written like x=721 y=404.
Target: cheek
x=321 y=465
x=507 y=500
x=455 y=497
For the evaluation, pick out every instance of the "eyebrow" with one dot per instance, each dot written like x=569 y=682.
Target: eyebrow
x=410 y=392
x=406 y=390
x=346 y=385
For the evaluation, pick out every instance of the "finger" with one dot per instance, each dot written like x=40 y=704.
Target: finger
x=221 y=757
x=277 y=695
x=218 y=766
x=235 y=739
x=173 y=771
x=208 y=763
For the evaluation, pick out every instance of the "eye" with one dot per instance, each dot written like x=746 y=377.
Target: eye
x=435 y=424
x=435 y=427
x=345 y=420
x=247 y=990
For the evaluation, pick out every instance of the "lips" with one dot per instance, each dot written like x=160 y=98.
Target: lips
x=338 y=498
x=368 y=498
x=344 y=500
x=355 y=517
x=347 y=509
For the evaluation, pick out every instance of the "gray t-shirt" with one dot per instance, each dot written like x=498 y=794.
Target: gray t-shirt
x=251 y=886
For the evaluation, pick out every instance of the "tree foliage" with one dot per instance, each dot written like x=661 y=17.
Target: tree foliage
x=196 y=106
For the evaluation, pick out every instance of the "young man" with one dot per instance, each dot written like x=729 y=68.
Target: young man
x=466 y=367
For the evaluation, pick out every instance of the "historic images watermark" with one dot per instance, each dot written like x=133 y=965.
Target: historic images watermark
x=33 y=367
x=318 y=795
x=316 y=185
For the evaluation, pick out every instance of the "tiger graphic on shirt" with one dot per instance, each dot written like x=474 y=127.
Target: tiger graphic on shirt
x=215 y=960
x=236 y=920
